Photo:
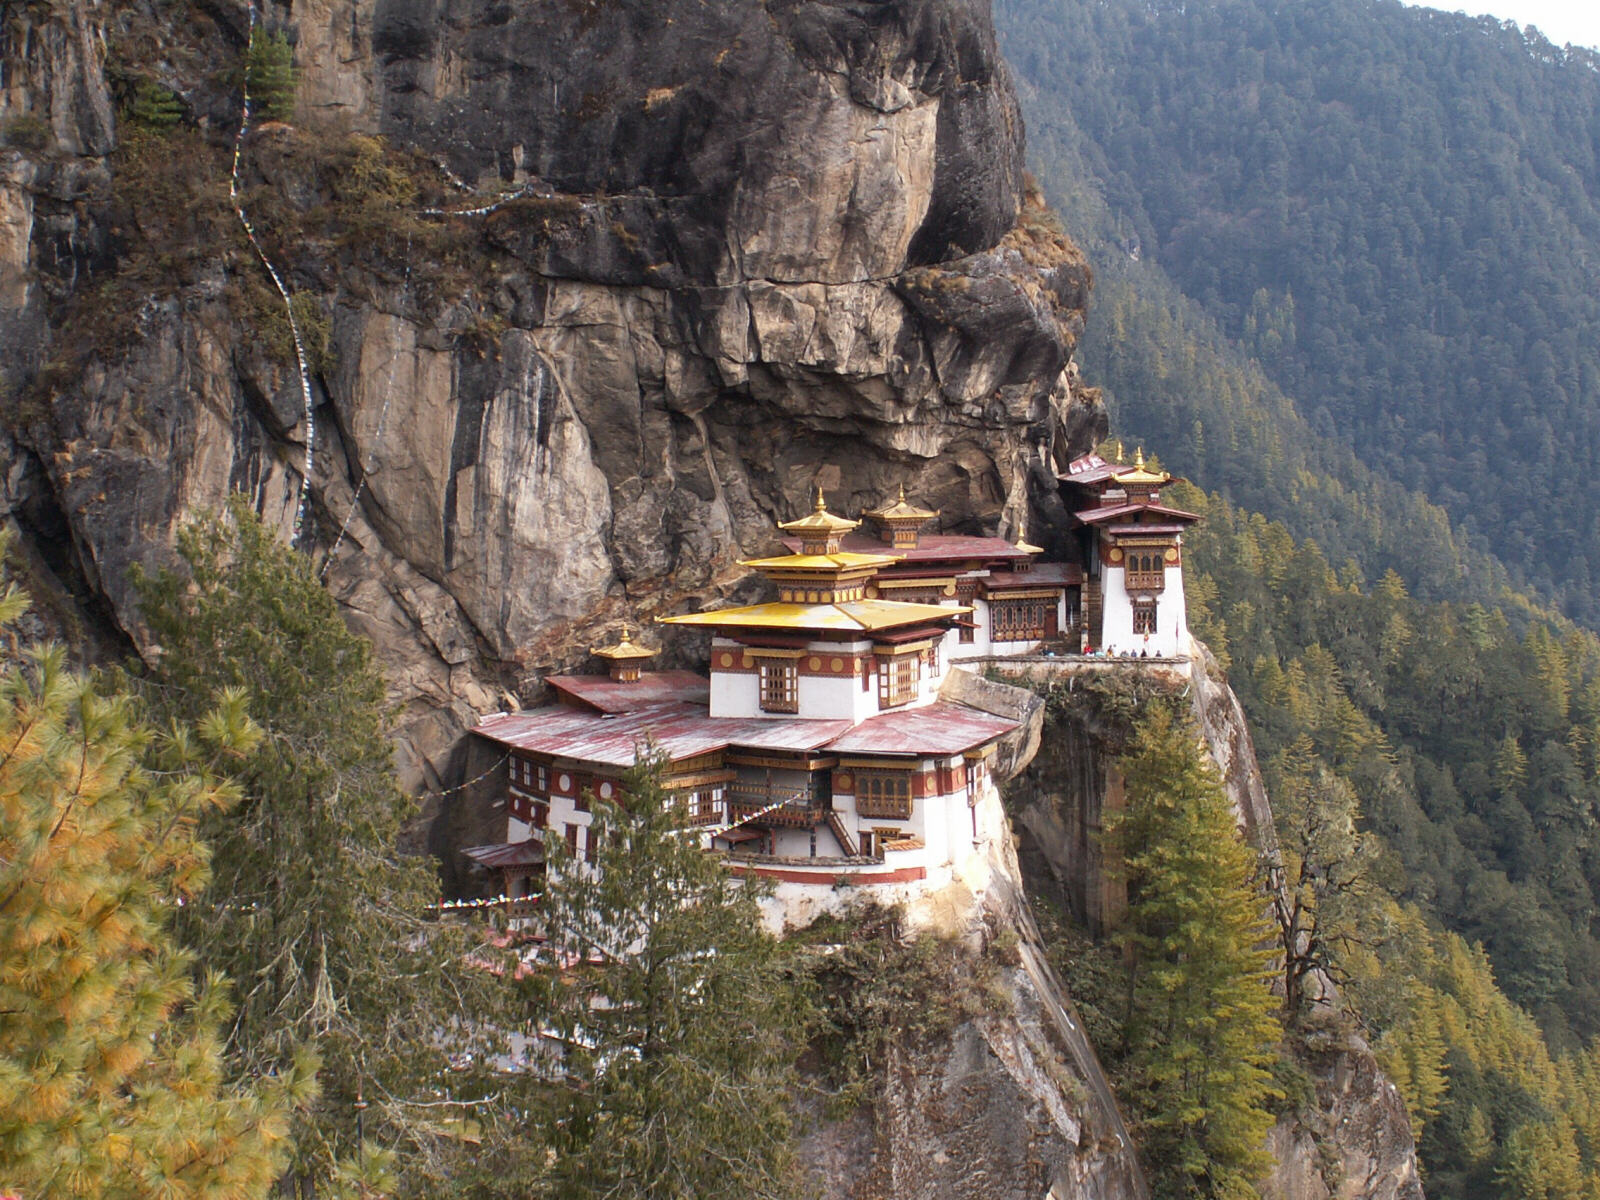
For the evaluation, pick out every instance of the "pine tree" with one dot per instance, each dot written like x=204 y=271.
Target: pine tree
x=269 y=71
x=111 y=1070
x=679 y=1019
x=312 y=909
x=1201 y=1023
x=155 y=106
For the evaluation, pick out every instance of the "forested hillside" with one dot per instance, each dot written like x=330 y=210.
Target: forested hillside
x=1344 y=256
x=1467 y=752
x=1394 y=211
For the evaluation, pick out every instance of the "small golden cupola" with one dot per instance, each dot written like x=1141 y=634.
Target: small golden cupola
x=624 y=658
x=900 y=524
x=822 y=572
x=1142 y=484
x=820 y=532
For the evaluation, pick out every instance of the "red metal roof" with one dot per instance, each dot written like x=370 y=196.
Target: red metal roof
x=684 y=730
x=609 y=695
x=507 y=854
x=1095 y=516
x=931 y=548
x=941 y=728
x=680 y=730
x=1091 y=468
x=1038 y=575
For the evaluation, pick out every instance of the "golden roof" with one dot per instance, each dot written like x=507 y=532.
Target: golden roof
x=844 y=560
x=855 y=616
x=901 y=511
x=819 y=520
x=624 y=649
x=1139 y=475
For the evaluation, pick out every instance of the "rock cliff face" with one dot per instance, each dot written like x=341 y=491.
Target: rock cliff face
x=717 y=252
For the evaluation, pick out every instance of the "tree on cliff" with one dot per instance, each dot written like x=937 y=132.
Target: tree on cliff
x=313 y=910
x=678 y=1014
x=111 y=1058
x=1326 y=859
x=1200 y=1027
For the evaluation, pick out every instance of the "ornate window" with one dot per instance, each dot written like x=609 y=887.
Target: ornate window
x=884 y=794
x=931 y=656
x=703 y=806
x=1019 y=620
x=1144 y=616
x=1146 y=570
x=897 y=679
x=780 y=686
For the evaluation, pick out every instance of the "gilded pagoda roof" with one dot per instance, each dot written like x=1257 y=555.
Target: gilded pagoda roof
x=819 y=520
x=851 y=616
x=1141 y=476
x=844 y=560
x=901 y=510
x=622 y=649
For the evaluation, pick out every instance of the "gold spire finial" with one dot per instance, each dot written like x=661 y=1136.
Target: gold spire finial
x=1119 y=450
x=1138 y=459
x=902 y=492
x=821 y=505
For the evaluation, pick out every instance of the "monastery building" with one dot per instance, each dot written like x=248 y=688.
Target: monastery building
x=818 y=749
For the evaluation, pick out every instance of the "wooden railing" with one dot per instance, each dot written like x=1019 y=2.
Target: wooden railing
x=792 y=808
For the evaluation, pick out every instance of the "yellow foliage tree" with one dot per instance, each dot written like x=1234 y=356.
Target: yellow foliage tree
x=111 y=1071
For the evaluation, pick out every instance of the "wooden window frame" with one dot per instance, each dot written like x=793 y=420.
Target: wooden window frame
x=1145 y=567
x=883 y=793
x=899 y=679
x=1144 y=617
x=1019 y=620
x=785 y=674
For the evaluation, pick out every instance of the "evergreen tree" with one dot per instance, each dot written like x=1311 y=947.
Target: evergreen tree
x=155 y=106
x=1201 y=1026
x=679 y=1018
x=111 y=1064
x=312 y=909
x=269 y=71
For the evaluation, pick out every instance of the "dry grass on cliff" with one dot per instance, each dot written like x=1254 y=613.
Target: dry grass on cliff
x=878 y=988
x=1038 y=235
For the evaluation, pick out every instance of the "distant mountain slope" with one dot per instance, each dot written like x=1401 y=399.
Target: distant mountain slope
x=1395 y=211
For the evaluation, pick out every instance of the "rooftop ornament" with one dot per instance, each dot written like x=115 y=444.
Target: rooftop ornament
x=820 y=531
x=1139 y=477
x=626 y=659
x=901 y=520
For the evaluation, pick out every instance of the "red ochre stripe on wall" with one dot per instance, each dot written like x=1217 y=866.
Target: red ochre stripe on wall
x=822 y=874
x=835 y=665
